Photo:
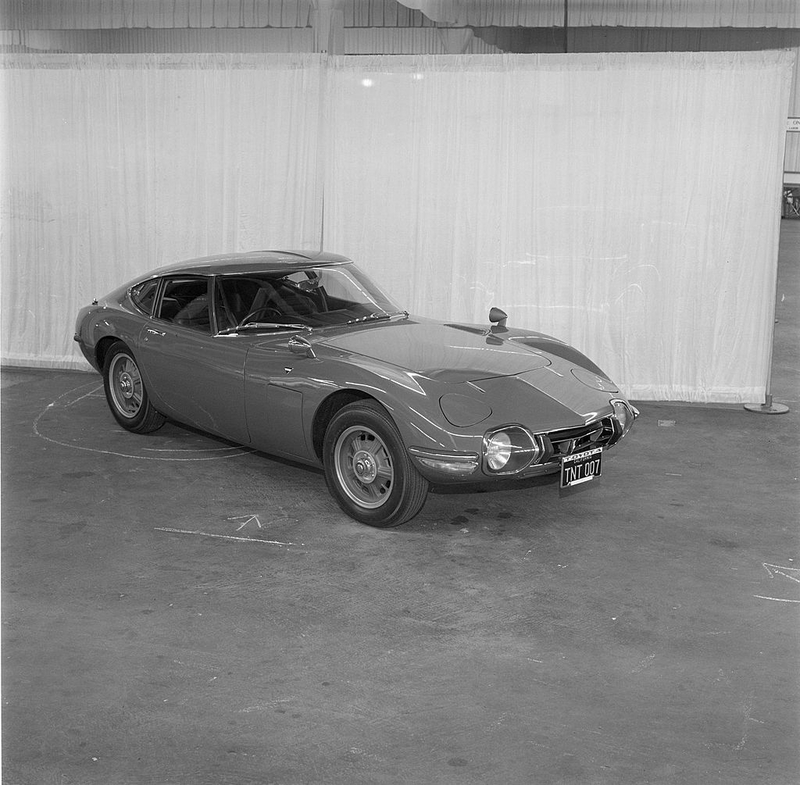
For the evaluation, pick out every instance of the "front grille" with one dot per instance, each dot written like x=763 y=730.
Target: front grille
x=585 y=437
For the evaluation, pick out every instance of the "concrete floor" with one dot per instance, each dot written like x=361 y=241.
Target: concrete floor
x=180 y=612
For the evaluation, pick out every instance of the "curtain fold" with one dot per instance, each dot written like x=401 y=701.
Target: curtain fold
x=413 y=40
x=267 y=40
x=116 y=164
x=612 y=13
x=624 y=203
x=94 y=14
x=504 y=13
x=697 y=13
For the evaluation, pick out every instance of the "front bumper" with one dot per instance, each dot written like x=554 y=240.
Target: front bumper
x=444 y=467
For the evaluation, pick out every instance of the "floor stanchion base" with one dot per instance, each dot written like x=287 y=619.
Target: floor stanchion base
x=767 y=408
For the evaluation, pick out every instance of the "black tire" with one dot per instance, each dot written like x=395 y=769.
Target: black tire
x=367 y=468
x=125 y=392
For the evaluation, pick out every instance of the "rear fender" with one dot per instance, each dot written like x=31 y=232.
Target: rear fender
x=100 y=327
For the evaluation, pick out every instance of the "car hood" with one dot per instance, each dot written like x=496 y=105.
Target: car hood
x=448 y=352
x=445 y=352
x=568 y=389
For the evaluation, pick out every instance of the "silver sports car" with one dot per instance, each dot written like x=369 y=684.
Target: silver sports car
x=300 y=355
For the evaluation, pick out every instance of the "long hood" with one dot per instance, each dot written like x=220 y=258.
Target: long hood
x=528 y=374
x=448 y=353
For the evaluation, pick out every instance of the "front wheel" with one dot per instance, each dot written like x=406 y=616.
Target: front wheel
x=125 y=392
x=367 y=468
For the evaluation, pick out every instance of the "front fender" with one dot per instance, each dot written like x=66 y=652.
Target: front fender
x=413 y=401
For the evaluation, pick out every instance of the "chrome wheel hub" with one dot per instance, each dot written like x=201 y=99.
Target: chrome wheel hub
x=364 y=466
x=126 y=386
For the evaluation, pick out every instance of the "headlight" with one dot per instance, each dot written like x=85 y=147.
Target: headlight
x=509 y=450
x=624 y=414
x=498 y=451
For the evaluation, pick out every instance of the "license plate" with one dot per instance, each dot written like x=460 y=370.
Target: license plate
x=581 y=467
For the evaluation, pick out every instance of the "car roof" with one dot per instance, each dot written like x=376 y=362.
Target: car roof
x=253 y=262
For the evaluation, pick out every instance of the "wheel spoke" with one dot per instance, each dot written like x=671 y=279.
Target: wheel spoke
x=372 y=446
x=371 y=491
x=385 y=471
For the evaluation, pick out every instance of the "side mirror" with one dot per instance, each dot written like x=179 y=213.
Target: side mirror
x=498 y=319
x=301 y=346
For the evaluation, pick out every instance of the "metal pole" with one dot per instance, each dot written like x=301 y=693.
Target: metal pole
x=769 y=407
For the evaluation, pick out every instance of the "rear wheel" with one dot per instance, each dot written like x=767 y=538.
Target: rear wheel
x=367 y=468
x=125 y=392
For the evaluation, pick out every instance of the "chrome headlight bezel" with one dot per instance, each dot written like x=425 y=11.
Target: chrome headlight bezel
x=510 y=449
x=624 y=416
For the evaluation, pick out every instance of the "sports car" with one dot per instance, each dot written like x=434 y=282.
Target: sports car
x=300 y=355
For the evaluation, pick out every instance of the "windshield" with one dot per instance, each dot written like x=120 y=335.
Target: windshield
x=313 y=297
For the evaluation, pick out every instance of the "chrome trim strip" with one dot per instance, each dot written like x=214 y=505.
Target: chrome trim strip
x=462 y=457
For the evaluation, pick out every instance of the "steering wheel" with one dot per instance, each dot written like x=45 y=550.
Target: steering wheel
x=267 y=310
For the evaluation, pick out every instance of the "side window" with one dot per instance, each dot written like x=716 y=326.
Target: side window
x=185 y=302
x=236 y=296
x=143 y=296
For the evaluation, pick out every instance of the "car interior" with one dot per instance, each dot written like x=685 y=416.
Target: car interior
x=243 y=300
x=247 y=299
x=185 y=302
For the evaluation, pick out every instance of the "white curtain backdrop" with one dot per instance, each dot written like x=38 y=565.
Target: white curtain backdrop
x=116 y=164
x=273 y=40
x=625 y=203
x=95 y=14
x=610 y=13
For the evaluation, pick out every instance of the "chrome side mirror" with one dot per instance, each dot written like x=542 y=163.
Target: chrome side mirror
x=301 y=346
x=498 y=319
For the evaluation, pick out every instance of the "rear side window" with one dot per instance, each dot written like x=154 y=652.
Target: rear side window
x=185 y=302
x=143 y=296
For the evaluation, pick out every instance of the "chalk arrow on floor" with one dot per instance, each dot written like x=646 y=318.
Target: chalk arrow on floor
x=247 y=519
x=792 y=573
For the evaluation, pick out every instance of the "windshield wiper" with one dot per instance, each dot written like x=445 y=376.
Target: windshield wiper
x=377 y=316
x=263 y=326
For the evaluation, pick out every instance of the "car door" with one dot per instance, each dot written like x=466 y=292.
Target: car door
x=194 y=374
x=276 y=383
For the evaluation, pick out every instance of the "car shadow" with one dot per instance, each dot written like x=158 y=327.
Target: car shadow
x=228 y=443
x=493 y=486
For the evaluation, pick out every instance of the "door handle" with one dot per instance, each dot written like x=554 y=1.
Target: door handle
x=151 y=331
